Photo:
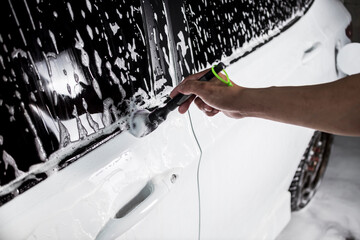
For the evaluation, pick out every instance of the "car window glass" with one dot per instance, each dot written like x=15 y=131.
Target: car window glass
x=230 y=29
x=71 y=74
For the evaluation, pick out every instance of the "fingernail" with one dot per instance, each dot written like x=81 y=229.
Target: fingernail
x=207 y=109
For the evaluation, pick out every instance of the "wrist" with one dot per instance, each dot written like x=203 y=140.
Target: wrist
x=251 y=102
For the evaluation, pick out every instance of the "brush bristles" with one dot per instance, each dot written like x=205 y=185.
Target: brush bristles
x=140 y=125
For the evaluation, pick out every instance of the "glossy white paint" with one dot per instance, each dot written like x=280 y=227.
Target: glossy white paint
x=247 y=165
x=96 y=187
x=246 y=168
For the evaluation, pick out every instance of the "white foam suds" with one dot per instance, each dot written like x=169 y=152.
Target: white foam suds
x=182 y=44
x=169 y=59
x=17 y=52
x=98 y=62
x=70 y=11
x=93 y=124
x=9 y=160
x=64 y=135
x=108 y=46
x=108 y=110
x=55 y=158
x=256 y=41
x=141 y=32
x=38 y=143
x=90 y=32
x=131 y=49
x=80 y=45
x=114 y=27
x=62 y=75
x=159 y=83
x=32 y=97
x=88 y=4
x=139 y=123
x=52 y=36
x=35 y=68
x=81 y=129
x=2 y=62
x=18 y=95
x=5 y=48
x=120 y=62
x=83 y=14
x=14 y=14
x=116 y=80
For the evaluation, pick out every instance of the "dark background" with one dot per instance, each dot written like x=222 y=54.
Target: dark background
x=354 y=8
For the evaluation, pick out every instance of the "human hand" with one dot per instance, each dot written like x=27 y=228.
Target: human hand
x=211 y=97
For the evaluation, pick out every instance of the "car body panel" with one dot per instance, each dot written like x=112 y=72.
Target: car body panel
x=246 y=165
x=234 y=150
x=95 y=188
x=103 y=173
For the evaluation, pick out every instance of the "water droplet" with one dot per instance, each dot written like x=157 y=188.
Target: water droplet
x=70 y=11
x=64 y=135
x=84 y=104
x=96 y=87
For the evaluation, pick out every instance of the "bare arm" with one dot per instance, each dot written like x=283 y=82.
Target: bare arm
x=332 y=107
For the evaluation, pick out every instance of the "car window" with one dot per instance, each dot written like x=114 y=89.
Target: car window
x=230 y=29
x=71 y=74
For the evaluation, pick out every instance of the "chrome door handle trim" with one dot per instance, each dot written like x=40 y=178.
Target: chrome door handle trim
x=139 y=206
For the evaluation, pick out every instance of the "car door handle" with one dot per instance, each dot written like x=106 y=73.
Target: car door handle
x=311 y=51
x=139 y=206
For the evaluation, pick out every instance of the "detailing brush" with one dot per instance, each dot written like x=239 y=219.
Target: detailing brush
x=143 y=122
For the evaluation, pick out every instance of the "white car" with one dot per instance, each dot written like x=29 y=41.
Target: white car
x=73 y=72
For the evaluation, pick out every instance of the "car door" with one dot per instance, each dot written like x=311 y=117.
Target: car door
x=72 y=75
x=247 y=164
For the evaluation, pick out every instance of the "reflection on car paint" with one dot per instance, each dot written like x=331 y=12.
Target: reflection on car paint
x=72 y=72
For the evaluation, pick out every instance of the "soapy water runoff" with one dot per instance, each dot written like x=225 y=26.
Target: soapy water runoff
x=74 y=72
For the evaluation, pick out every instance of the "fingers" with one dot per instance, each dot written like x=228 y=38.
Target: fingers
x=187 y=87
x=180 y=88
x=191 y=85
x=203 y=106
x=185 y=106
x=213 y=113
x=208 y=110
x=204 y=93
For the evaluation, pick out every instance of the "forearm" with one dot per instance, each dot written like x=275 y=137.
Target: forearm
x=332 y=107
